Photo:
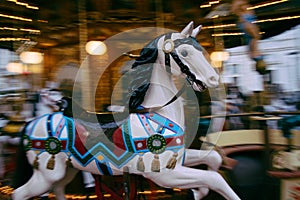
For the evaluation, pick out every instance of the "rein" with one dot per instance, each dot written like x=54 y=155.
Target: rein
x=191 y=78
x=153 y=109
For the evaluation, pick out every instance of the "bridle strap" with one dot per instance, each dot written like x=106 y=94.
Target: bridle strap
x=184 y=69
x=153 y=109
x=167 y=55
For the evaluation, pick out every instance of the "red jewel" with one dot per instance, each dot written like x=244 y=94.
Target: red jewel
x=171 y=125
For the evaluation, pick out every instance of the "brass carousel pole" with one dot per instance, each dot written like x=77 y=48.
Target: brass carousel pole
x=159 y=14
x=85 y=79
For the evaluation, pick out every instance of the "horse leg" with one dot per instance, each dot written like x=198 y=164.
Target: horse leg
x=38 y=184
x=186 y=178
x=196 y=157
x=88 y=179
x=42 y=178
x=59 y=187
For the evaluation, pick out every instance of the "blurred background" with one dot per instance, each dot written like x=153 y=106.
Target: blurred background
x=43 y=45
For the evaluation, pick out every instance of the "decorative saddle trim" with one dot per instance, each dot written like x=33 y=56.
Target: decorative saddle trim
x=175 y=141
x=164 y=122
x=156 y=142
x=101 y=153
x=52 y=144
x=41 y=144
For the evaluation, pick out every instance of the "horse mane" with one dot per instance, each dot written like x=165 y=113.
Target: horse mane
x=140 y=74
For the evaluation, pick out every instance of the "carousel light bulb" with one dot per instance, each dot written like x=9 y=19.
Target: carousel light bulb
x=30 y=57
x=15 y=67
x=219 y=56
x=95 y=48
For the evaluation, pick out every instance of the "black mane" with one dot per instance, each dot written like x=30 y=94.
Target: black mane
x=141 y=74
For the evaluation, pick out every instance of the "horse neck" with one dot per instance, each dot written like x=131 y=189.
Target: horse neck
x=162 y=90
x=43 y=109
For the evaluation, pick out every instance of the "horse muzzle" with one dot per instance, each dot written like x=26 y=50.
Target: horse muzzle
x=213 y=81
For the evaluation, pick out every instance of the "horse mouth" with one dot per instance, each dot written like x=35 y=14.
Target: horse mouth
x=199 y=86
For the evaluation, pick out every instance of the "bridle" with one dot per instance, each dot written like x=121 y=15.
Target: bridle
x=169 y=47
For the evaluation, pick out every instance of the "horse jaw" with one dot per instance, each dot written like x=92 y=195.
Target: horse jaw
x=188 y=30
x=208 y=77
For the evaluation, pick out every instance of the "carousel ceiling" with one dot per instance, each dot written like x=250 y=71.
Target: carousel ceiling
x=54 y=24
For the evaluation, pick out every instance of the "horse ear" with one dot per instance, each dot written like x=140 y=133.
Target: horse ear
x=188 y=30
x=196 y=31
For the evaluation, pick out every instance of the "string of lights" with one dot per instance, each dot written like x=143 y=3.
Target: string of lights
x=20 y=29
x=239 y=33
x=209 y=4
x=24 y=4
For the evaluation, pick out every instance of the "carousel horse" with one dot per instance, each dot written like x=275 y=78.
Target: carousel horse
x=150 y=140
x=49 y=101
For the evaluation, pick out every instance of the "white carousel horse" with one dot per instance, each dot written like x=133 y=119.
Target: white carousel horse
x=149 y=142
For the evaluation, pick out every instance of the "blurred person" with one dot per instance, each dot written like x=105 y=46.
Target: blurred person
x=282 y=101
x=234 y=103
x=246 y=17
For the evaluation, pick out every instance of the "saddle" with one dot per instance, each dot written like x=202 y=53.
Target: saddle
x=91 y=131
x=67 y=104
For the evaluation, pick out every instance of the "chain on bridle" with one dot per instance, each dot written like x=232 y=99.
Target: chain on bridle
x=169 y=47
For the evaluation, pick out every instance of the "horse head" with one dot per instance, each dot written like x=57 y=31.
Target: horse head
x=177 y=53
x=186 y=56
x=48 y=100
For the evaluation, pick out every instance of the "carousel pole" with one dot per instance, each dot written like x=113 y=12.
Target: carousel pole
x=85 y=87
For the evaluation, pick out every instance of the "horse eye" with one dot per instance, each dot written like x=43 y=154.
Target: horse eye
x=184 y=53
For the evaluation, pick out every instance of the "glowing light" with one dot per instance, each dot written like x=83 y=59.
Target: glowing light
x=21 y=29
x=225 y=34
x=15 y=67
x=214 y=2
x=258 y=21
x=42 y=21
x=209 y=4
x=8 y=28
x=266 y=4
x=205 y=6
x=16 y=17
x=278 y=19
x=219 y=26
x=95 y=48
x=24 y=4
x=30 y=30
x=13 y=39
x=30 y=57
x=231 y=34
x=219 y=56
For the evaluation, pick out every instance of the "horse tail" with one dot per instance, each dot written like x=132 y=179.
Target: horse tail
x=23 y=170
